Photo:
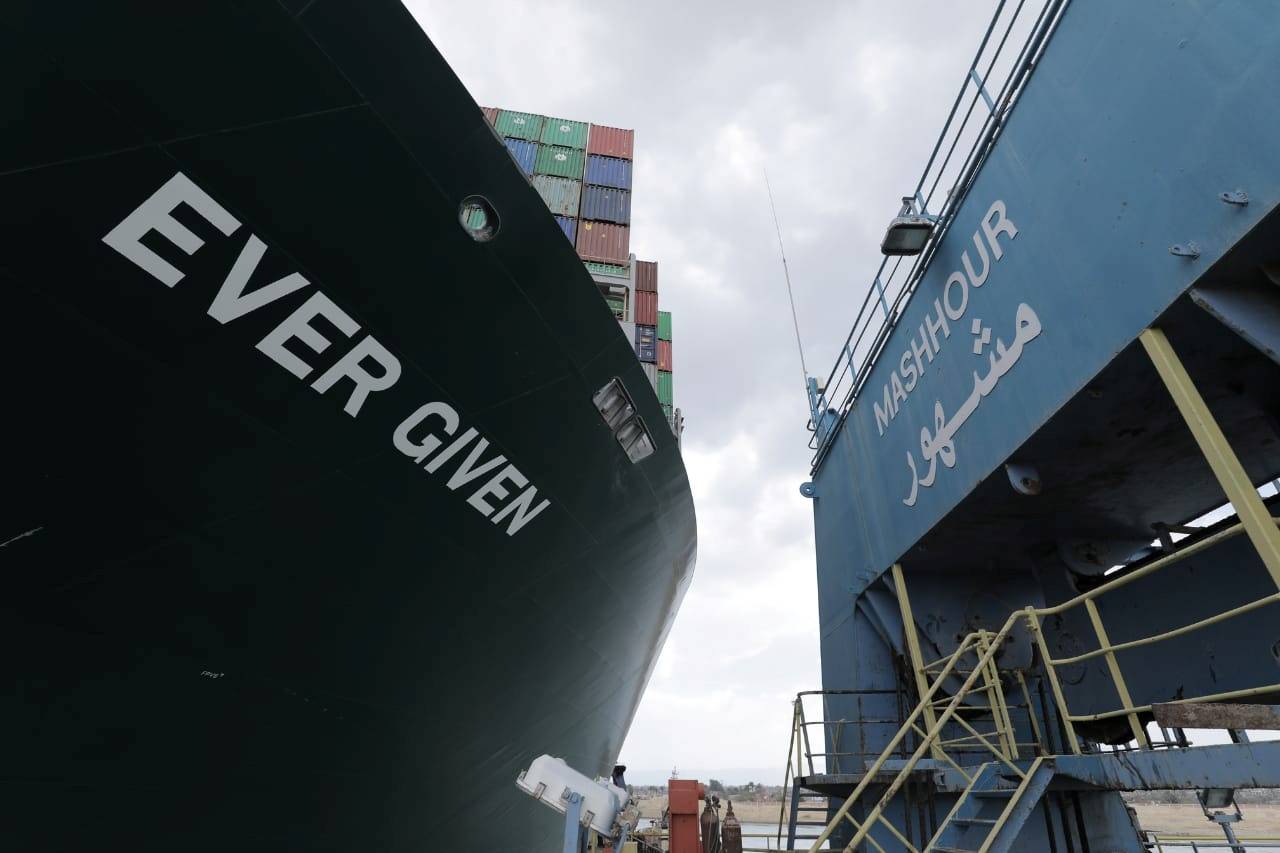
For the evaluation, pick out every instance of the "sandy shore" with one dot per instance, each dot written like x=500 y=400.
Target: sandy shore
x=746 y=810
x=1259 y=820
x=1182 y=819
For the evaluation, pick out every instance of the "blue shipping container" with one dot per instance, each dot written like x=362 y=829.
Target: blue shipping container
x=606 y=204
x=647 y=352
x=569 y=226
x=608 y=172
x=524 y=152
x=646 y=335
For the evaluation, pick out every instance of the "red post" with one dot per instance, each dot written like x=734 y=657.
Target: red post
x=683 y=796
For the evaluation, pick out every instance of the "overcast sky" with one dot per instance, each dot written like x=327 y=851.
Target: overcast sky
x=841 y=102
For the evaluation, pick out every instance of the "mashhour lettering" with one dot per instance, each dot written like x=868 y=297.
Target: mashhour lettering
x=950 y=307
x=370 y=367
x=940 y=443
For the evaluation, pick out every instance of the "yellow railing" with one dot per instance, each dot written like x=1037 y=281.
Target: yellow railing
x=840 y=751
x=984 y=678
x=1255 y=520
x=1108 y=649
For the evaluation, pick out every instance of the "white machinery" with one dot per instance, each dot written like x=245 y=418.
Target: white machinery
x=595 y=804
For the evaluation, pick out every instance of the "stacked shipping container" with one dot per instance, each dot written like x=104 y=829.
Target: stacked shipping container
x=666 y=386
x=582 y=172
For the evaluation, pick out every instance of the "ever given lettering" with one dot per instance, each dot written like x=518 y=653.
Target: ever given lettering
x=370 y=367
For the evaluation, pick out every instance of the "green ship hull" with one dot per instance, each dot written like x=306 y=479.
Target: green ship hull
x=250 y=605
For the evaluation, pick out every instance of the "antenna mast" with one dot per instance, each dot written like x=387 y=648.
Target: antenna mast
x=787 y=275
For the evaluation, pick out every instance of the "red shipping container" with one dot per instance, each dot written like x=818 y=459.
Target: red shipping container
x=647 y=309
x=606 y=243
x=610 y=141
x=647 y=276
x=490 y=114
x=664 y=352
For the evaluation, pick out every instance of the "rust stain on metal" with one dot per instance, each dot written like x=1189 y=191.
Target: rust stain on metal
x=1217 y=715
x=611 y=141
x=605 y=243
x=647 y=276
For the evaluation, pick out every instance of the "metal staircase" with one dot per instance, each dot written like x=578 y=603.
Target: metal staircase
x=807 y=817
x=991 y=811
x=929 y=720
x=963 y=710
x=816 y=780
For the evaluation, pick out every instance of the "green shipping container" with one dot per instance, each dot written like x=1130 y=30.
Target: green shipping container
x=560 y=194
x=668 y=409
x=561 y=131
x=607 y=269
x=560 y=161
x=519 y=125
x=664 y=325
x=665 y=395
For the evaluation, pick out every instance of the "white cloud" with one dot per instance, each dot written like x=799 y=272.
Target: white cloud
x=716 y=91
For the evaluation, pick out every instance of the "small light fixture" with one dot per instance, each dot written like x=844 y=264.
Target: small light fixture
x=908 y=232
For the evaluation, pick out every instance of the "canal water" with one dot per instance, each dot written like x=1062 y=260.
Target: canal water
x=766 y=838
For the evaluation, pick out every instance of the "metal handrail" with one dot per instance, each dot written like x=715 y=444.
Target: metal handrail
x=888 y=294
x=800 y=753
x=986 y=645
x=1108 y=649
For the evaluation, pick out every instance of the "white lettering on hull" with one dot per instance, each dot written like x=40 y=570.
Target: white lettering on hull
x=927 y=343
x=948 y=308
x=368 y=365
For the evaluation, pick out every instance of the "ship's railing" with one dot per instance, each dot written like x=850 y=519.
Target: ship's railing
x=1008 y=53
x=1107 y=649
x=937 y=711
x=663 y=838
x=1158 y=842
x=842 y=734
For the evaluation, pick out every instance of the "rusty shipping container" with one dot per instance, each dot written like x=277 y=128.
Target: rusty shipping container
x=490 y=115
x=664 y=355
x=647 y=276
x=609 y=244
x=560 y=194
x=607 y=204
x=611 y=141
x=647 y=308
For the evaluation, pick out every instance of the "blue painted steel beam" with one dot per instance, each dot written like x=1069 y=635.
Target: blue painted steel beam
x=1233 y=765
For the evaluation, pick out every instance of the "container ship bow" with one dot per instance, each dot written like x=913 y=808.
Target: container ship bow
x=313 y=530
